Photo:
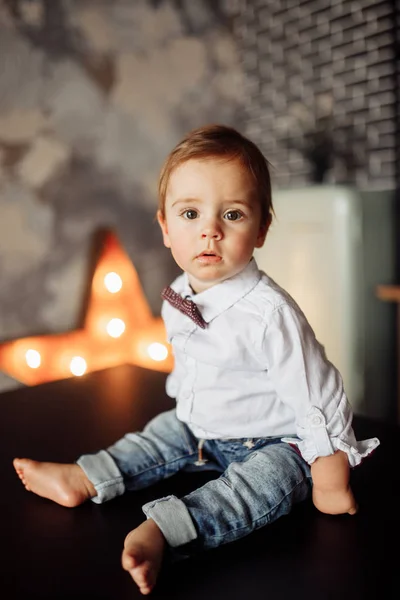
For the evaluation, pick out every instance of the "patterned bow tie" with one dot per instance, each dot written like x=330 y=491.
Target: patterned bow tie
x=187 y=307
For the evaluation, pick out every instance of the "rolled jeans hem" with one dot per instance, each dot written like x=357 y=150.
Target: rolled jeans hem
x=173 y=518
x=104 y=474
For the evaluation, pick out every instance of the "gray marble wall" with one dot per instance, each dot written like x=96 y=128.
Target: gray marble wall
x=93 y=95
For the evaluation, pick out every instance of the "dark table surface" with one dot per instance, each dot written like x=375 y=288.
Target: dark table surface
x=53 y=552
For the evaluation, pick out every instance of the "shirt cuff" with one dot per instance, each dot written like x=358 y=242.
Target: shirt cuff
x=315 y=440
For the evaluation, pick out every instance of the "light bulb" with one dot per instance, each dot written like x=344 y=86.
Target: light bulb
x=115 y=328
x=33 y=359
x=113 y=282
x=78 y=366
x=157 y=351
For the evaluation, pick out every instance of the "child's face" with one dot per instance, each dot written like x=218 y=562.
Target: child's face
x=212 y=220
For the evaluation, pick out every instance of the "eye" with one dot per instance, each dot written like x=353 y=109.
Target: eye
x=233 y=215
x=190 y=214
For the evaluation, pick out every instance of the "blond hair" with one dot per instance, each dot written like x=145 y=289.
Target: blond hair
x=220 y=141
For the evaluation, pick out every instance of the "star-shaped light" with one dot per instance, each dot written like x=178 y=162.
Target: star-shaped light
x=119 y=328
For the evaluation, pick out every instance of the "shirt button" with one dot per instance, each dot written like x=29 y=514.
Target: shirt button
x=316 y=421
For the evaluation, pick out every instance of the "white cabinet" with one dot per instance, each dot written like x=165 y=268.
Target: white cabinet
x=329 y=246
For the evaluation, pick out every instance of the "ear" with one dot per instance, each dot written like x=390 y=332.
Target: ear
x=262 y=234
x=163 y=224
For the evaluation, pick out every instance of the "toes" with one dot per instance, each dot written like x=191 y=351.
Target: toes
x=25 y=484
x=140 y=572
x=144 y=579
x=129 y=562
x=145 y=590
x=23 y=480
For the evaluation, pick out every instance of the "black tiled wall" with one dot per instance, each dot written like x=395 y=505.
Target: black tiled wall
x=321 y=79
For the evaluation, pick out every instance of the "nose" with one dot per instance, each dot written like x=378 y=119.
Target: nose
x=211 y=230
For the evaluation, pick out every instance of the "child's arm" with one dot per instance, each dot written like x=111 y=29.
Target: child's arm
x=331 y=489
x=306 y=381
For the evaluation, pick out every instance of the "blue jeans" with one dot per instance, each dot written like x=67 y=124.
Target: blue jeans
x=261 y=479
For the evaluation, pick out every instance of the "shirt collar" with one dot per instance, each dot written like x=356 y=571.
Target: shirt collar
x=220 y=297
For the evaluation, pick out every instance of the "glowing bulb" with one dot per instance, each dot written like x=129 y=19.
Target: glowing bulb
x=113 y=282
x=157 y=351
x=78 y=366
x=33 y=359
x=115 y=328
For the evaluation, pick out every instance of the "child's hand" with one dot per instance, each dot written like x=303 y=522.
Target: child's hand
x=335 y=502
x=331 y=490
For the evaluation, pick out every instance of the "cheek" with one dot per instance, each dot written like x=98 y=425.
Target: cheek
x=243 y=252
x=181 y=243
x=243 y=242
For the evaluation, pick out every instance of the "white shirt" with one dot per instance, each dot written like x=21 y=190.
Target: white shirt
x=257 y=369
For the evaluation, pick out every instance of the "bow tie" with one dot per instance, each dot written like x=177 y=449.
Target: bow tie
x=185 y=306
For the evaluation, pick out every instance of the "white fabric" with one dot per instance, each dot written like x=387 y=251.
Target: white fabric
x=257 y=370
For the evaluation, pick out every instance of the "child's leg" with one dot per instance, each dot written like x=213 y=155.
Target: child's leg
x=138 y=460
x=249 y=495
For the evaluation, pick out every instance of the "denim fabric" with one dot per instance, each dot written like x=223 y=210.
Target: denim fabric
x=260 y=481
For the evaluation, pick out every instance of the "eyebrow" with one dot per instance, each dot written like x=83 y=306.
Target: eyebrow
x=184 y=201
x=189 y=200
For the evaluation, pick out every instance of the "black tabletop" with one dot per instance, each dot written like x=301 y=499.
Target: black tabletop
x=49 y=551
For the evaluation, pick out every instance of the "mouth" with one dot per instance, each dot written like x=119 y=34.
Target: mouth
x=208 y=256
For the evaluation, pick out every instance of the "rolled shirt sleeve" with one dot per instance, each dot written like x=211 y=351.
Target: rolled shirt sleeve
x=306 y=381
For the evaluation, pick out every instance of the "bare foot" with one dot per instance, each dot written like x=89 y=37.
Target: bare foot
x=143 y=554
x=65 y=484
